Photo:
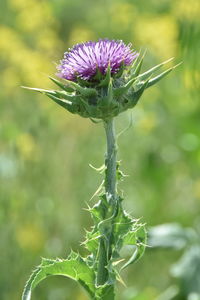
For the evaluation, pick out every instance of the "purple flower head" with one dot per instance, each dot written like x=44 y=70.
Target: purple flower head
x=84 y=60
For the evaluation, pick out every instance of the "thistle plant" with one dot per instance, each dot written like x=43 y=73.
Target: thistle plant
x=99 y=80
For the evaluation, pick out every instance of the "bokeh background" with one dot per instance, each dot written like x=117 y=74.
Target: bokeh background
x=45 y=178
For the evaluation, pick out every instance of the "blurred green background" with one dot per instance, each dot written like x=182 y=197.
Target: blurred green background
x=45 y=178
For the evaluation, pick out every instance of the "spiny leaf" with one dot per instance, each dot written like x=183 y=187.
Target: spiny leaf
x=137 y=238
x=122 y=224
x=135 y=96
x=92 y=241
x=133 y=258
x=84 y=91
x=28 y=287
x=106 y=80
x=110 y=91
x=118 y=92
x=100 y=169
x=68 y=96
x=121 y=71
x=76 y=269
x=146 y=74
x=61 y=85
x=57 y=97
x=98 y=191
x=98 y=211
x=98 y=76
x=137 y=69
x=83 y=82
x=43 y=91
x=135 y=62
x=160 y=76
x=64 y=103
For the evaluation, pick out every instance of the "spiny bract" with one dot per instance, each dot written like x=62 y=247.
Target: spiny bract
x=101 y=79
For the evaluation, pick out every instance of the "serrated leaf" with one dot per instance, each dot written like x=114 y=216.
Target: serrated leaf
x=137 y=238
x=99 y=210
x=92 y=241
x=122 y=224
x=76 y=269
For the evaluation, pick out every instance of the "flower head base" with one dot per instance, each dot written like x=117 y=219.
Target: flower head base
x=102 y=79
x=88 y=59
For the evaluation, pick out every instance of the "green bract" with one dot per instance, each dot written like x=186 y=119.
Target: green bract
x=107 y=96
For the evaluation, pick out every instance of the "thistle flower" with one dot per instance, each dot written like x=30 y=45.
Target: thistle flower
x=86 y=59
x=101 y=79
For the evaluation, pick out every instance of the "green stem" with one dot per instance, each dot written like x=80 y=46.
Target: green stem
x=111 y=164
x=110 y=189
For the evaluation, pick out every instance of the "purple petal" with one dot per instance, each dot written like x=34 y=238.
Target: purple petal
x=84 y=59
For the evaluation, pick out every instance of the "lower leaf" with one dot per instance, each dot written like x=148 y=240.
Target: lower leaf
x=75 y=268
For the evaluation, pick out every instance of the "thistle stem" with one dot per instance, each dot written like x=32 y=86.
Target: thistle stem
x=111 y=164
x=110 y=189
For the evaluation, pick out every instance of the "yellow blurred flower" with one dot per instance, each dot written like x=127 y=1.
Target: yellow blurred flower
x=30 y=237
x=147 y=123
x=20 y=4
x=10 y=79
x=189 y=10
x=122 y=16
x=27 y=146
x=30 y=64
x=159 y=33
x=196 y=189
x=32 y=14
x=80 y=34
x=191 y=79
